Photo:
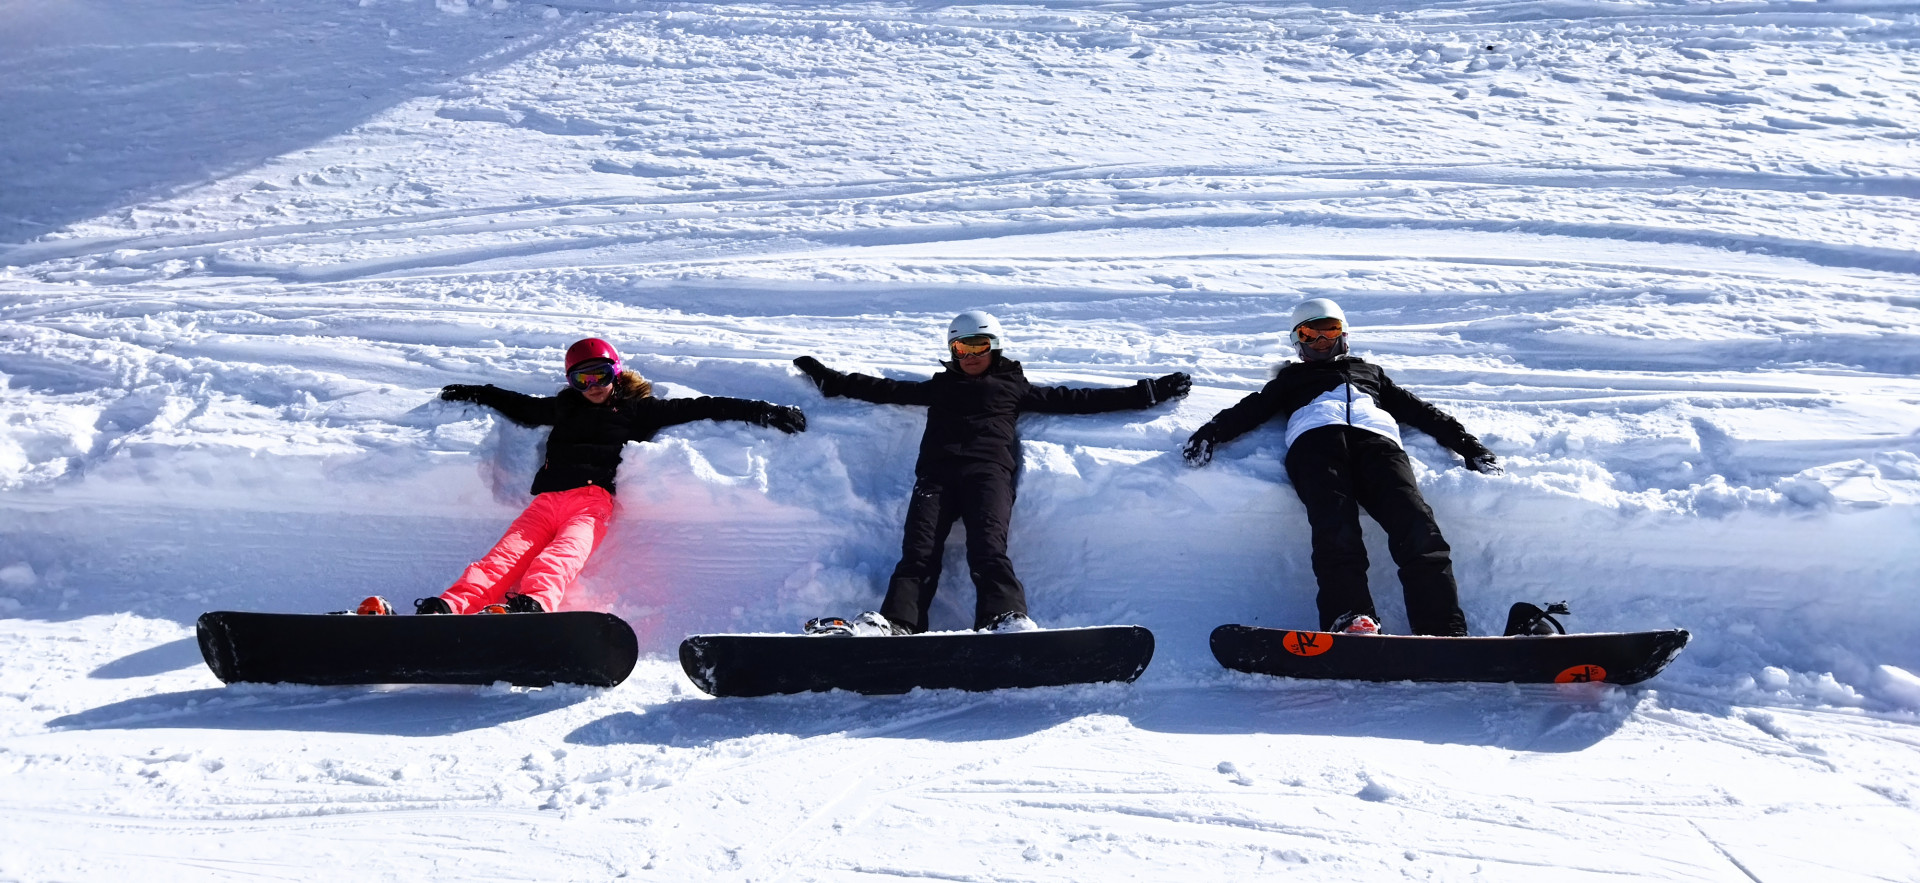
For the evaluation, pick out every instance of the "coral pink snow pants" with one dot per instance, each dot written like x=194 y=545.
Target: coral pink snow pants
x=543 y=551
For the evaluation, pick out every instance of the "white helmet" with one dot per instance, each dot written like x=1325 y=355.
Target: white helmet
x=1317 y=308
x=973 y=322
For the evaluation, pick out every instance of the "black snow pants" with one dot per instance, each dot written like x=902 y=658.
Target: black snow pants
x=1339 y=470
x=980 y=495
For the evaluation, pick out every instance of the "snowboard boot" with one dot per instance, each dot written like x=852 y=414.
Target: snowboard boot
x=430 y=604
x=828 y=626
x=1356 y=624
x=1526 y=619
x=374 y=606
x=1011 y=622
x=518 y=603
x=515 y=603
x=867 y=625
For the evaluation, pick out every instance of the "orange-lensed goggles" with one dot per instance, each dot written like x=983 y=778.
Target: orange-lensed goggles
x=1305 y=334
x=971 y=346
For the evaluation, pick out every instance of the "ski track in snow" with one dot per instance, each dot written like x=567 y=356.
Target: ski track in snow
x=1660 y=256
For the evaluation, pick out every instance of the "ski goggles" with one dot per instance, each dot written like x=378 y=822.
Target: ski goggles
x=590 y=376
x=971 y=346
x=1305 y=334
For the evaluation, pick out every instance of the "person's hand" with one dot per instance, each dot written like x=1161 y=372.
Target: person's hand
x=1199 y=447
x=460 y=392
x=822 y=376
x=786 y=418
x=1172 y=386
x=1485 y=463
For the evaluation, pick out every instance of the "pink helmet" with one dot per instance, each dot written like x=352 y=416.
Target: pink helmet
x=590 y=349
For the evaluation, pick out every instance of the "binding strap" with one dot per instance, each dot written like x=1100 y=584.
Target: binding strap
x=1527 y=619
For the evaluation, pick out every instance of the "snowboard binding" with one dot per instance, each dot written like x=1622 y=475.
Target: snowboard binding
x=866 y=625
x=374 y=605
x=1527 y=619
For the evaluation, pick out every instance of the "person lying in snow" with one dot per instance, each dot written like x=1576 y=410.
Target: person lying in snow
x=1344 y=455
x=603 y=407
x=969 y=457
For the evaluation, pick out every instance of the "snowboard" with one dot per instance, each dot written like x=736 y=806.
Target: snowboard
x=763 y=665
x=1612 y=657
x=524 y=649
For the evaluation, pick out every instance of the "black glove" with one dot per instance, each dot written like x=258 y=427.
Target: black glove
x=1484 y=463
x=1199 y=447
x=1171 y=386
x=460 y=392
x=786 y=418
x=822 y=376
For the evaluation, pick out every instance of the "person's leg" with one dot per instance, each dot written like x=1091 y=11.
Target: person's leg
x=487 y=580
x=1387 y=490
x=1320 y=467
x=910 y=591
x=582 y=517
x=986 y=507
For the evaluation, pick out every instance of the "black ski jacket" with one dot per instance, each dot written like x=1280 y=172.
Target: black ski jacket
x=584 y=447
x=973 y=418
x=1301 y=382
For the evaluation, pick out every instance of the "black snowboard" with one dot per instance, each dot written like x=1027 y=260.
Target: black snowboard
x=1613 y=657
x=761 y=665
x=524 y=649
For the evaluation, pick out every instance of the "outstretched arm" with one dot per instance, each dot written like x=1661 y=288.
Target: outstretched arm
x=1095 y=400
x=1249 y=412
x=521 y=408
x=878 y=390
x=672 y=412
x=1417 y=413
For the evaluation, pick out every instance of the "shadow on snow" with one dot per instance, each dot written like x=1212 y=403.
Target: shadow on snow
x=412 y=710
x=1515 y=717
x=171 y=656
x=1520 y=717
x=934 y=715
x=165 y=101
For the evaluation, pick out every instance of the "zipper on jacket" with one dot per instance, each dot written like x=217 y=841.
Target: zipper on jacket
x=1347 y=371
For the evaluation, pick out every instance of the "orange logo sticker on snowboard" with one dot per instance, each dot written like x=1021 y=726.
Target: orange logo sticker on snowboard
x=1581 y=674
x=1307 y=643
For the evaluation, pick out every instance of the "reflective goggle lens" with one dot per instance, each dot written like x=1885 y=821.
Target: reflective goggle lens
x=588 y=378
x=1305 y=334
x=971 y=346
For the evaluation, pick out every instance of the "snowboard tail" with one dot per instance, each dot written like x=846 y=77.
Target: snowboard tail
x=763 y=665
x=1612 y=657
x=523 y=649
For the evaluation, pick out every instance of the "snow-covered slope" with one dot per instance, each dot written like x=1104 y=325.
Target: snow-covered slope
x=1661 y=256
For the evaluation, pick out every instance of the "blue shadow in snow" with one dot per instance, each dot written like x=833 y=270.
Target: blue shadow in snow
x=414 y=710
x=1532 y=718
x=171 y=656
x=936 y=715
x=113 y=104
x=1520 y=717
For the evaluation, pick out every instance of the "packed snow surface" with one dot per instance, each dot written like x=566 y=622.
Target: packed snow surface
x=1661 y=256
